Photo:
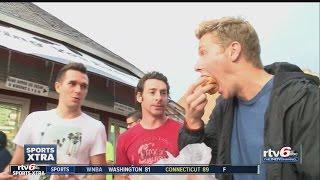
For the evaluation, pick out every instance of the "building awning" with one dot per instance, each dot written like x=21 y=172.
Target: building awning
x=28 y=43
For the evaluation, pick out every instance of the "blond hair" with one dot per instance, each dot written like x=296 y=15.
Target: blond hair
x=230 y=29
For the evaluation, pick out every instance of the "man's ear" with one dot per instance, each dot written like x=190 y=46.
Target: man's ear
x=139 y=97
x=235 y=50
x=57 y=86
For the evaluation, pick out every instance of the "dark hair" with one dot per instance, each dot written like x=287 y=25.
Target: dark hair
x=135 y=115
x=3 y=139
x=71 y=66
x=152 y=75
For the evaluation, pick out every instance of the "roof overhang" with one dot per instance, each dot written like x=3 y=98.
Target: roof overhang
x=68 y=40
x=28 y=43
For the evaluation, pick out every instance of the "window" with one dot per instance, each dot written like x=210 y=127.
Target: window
x=13 y=111
x=115 y=128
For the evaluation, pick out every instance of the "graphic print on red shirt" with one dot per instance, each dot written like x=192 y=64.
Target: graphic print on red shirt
x=139 y=146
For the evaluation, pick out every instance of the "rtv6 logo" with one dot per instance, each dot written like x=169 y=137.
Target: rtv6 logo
x=27 y=167
x=285 y=154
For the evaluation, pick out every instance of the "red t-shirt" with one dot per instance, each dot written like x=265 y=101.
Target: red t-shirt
x=138 y=146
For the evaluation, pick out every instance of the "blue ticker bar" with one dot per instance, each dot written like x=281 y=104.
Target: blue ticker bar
x=155 y=169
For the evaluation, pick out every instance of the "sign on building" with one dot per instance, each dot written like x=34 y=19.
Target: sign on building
x=121 y=108
x=27 y=86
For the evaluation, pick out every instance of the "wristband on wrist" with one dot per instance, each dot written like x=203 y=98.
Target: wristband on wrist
x=193 y=130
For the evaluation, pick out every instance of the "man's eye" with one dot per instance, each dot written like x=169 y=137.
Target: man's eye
x=72 y=83
x=84 y=86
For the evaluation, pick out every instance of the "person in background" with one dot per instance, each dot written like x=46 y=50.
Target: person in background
x=109 y=157
x=5 y=156
x=133 y=118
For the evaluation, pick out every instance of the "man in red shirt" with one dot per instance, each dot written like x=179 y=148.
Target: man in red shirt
x=148 y=141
